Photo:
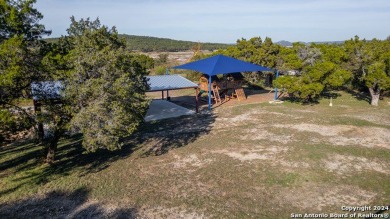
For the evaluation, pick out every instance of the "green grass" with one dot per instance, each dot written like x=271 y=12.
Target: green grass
x=245 y=161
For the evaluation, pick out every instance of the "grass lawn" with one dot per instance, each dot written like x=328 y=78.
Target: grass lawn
x=242 y=161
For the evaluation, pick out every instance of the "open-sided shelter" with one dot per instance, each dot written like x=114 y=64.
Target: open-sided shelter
x=221 y=64
x=170 y=82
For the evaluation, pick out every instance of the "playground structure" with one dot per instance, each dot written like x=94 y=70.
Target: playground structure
x=229 y=87
x=222 y=65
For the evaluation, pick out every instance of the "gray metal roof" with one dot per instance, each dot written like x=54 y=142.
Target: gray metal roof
x=169 y=82
x=46 y=90
x=52 y=89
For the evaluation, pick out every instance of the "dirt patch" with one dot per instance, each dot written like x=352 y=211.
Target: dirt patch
x=383 y=119
x=293 y=164
x=342 y=164
x=232 y=121
x=163 y=212
x=260 y=133
x=257 y=153
x=190 y=161
x=304 y=111
x=247 y=156
x=365 y=136
x=345 y=134
x=320 y=129
x=318 y=197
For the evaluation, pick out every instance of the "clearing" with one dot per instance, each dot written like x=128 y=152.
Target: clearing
x=253 y=160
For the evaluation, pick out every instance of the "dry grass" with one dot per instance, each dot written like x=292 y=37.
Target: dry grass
x=245 y=161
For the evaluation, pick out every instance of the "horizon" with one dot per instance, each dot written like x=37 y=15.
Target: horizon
x=227 y=21
x=51 y=37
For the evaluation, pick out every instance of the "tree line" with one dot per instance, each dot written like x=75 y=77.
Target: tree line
x=156 y=44
x=356 y=64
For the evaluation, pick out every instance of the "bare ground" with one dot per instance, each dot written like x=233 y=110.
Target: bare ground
x=241 y=161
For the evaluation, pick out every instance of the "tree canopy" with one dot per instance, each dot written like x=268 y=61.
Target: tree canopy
x=354 y=64
x=104 y=94
x=19 y=18
x=21 y=53
x=106 y=85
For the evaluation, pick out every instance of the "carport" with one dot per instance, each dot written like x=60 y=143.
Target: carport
x=161 y=109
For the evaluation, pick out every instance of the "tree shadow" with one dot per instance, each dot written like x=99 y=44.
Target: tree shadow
x=310 y=101
x=20 y=156
x=16 y=147
x=360 y=95
x=161 y=136
x=188 y=101
x=256 y=91
x=152 y=138
x=255 y=87
x=380 y=212
x=330 y=94
x=59 y=204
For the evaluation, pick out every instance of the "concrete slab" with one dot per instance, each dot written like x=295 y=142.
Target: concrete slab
x=162 y=109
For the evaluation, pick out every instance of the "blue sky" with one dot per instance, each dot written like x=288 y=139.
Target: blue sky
x=225 y=21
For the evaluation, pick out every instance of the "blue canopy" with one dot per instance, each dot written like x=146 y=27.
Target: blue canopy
x=220 y=64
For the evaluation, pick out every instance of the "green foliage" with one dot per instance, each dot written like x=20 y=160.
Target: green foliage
x=308 y=91
x=194 y=76
x=146 y=61
x=308 y=54
x=155 y=44
x=338 y=78
x=321 y=65
x=12 y=52
x=356 y=60
x=21 y=54
x=160 y=70
x=320 y=70
x=150 y=44
x=369 y=63
x=55 y=62
x=377 y=76
x=364 y=63
x=105 y=86
x=333 y=53
x=19 y=18
x=255 y=51
x=162 y=58
x=11 y=123
x=288 y=59
x=291 y=84
x=299 y=88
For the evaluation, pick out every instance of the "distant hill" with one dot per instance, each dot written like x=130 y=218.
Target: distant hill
x=288 y=43
x=149 y=44
x=329 y=42
x=156 y=44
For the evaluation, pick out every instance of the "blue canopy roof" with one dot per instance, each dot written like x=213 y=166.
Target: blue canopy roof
x=221 y=64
